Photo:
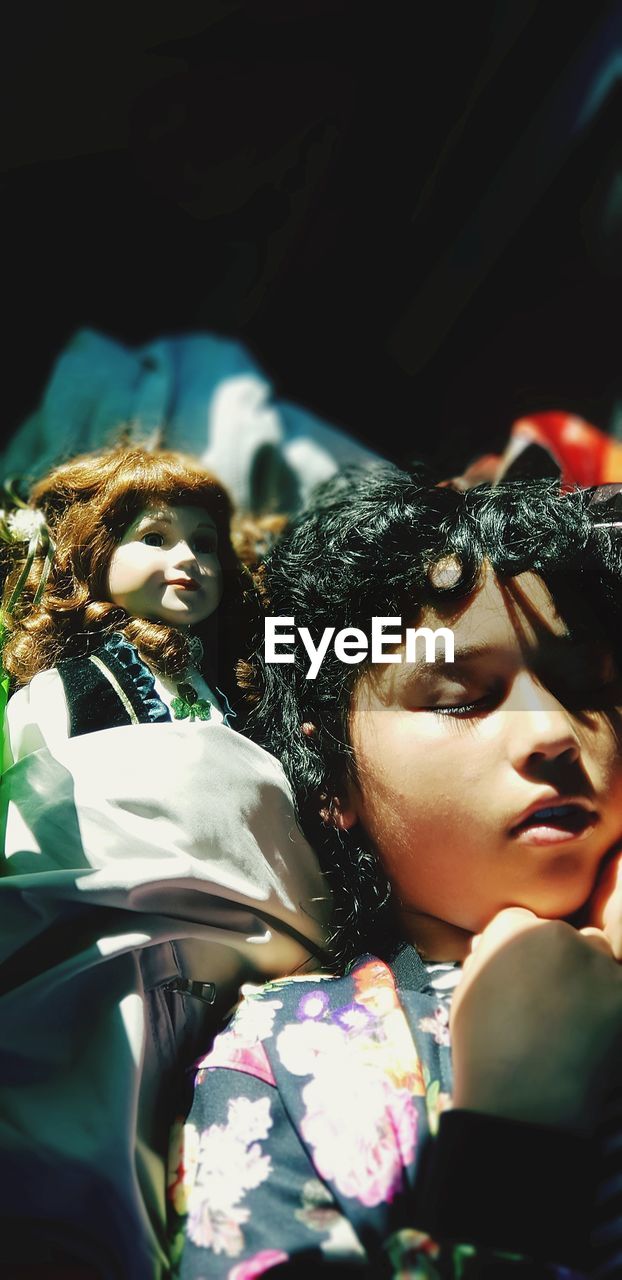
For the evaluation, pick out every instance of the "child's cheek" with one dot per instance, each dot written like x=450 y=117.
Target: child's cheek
x=605 y=907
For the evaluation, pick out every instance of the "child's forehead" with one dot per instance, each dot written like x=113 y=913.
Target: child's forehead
x=506 y=616
x=501 y=625
x=515 y=609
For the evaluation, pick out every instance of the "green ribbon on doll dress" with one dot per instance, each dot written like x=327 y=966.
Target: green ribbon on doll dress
x=188 y=705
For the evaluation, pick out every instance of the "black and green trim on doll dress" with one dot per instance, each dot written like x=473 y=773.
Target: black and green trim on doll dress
x=112 y=686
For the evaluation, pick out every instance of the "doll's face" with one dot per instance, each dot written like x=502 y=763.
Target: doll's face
x=497 y=780
x=166 y=566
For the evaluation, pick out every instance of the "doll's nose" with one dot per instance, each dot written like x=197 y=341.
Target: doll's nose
x=182 y=554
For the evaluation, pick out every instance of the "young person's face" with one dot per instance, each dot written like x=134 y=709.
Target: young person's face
x=495 y=781
x=166 y=566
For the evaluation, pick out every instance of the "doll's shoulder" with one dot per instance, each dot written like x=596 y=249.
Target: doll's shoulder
x=109 y=687
x=36 y=716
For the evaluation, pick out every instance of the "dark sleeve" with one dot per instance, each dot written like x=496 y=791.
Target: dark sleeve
x=511 y=1186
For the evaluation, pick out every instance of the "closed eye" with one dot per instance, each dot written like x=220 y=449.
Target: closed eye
x=590 y=695
x=584 y=676
x=464 y=709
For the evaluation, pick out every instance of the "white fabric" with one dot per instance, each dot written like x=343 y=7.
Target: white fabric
x=37 y=715
x=135 y=855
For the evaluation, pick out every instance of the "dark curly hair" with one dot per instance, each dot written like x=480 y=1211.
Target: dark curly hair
x=364 y=548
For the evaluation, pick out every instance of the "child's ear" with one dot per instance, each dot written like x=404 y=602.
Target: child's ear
x=344 y=815
x=338 y=813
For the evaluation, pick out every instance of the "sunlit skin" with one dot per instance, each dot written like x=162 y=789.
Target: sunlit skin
x=166 y=566
x=451 y=758
x=604 y=910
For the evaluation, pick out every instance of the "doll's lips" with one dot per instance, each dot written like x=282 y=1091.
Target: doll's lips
x=187 y=584
x=555 y=822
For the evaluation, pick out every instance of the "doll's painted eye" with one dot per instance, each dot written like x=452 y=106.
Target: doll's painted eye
x=153 y=539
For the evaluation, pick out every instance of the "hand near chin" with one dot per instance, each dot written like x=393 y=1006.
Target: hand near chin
x=604 y=909
x=537 y=1023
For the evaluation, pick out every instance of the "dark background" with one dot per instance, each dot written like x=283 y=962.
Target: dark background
x=411 y=214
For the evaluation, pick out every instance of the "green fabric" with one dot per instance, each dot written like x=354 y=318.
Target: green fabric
x=4 y=694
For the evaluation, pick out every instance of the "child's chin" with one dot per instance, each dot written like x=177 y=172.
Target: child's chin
x=570 y=906
x=562 y=901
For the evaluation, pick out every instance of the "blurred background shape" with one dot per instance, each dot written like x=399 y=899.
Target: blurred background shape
x=196 y=392
x=408 y=217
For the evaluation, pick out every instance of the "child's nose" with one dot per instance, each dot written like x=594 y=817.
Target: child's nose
x=542 y=728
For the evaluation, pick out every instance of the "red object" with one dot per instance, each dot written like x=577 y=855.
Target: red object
x=584 y=454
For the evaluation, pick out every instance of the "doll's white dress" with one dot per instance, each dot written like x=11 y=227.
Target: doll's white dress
x=150 y=869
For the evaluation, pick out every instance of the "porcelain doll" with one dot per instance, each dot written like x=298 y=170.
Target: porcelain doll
x=152 y=858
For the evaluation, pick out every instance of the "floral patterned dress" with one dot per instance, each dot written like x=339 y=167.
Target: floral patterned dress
x=304 y=1145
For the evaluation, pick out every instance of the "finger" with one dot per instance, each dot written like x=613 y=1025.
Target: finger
x=609 y=878
x=473 y=945
x=508 y=922
x=509 y=914
x=598 y=940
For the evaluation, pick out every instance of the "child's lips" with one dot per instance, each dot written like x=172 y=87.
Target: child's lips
x=555 y=822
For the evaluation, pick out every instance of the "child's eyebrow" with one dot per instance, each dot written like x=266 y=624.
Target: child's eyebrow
x=467 y=653
x=463 y=655
x=550 y=643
